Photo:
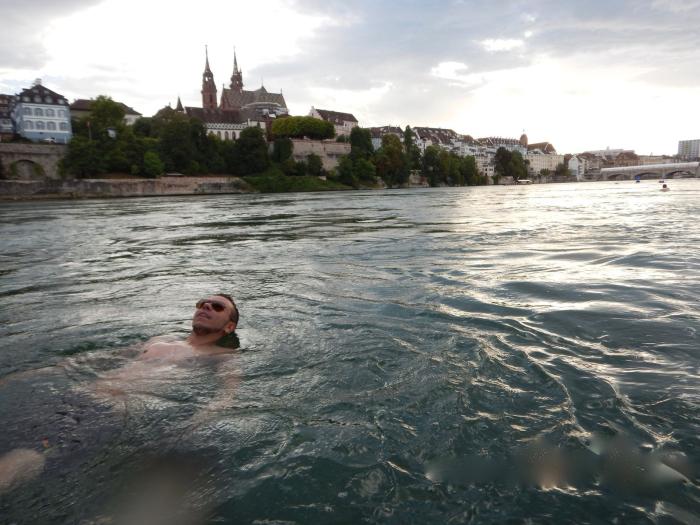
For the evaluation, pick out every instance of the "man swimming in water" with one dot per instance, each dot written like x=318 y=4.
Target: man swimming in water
x=214 y=320
x=215 y=317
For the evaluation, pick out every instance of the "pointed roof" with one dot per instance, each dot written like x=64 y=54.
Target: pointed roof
x=235 y=61
x=179 y=104
x=206 y=64
x=38 y=93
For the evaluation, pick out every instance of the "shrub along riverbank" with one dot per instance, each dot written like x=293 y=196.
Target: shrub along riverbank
x=274 y=181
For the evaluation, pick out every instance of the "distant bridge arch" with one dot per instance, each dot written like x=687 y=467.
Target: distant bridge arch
x=669 y=170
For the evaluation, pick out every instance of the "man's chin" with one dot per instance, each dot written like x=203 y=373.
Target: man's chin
x=199 y=329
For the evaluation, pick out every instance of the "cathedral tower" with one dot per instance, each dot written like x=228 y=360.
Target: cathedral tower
x=237 y=77
x=208 y=85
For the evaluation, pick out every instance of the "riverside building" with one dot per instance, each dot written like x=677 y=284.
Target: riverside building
x=41 y=115
x=689 y=149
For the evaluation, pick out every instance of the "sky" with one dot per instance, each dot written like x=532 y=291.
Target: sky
x=582 y=75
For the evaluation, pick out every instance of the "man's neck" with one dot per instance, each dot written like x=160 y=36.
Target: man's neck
x=204 y=339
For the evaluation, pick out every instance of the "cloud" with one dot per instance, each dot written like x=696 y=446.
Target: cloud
x=496 y=44
x=423 y=63
x=24 y=28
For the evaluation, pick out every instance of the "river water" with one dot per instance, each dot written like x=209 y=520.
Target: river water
x=453 y=355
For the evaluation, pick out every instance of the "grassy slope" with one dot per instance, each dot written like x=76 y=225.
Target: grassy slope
x=274 y=181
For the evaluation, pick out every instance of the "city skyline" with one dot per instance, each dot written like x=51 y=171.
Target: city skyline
x=615 y=74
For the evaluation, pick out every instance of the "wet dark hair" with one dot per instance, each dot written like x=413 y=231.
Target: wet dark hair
x=234 y=314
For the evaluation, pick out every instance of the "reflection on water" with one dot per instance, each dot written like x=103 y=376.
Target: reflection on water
x=442 y=355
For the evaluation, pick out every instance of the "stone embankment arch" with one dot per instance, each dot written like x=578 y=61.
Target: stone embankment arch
x=31 y=161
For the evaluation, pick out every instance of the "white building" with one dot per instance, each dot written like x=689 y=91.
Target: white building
x=689 y=149
x=40 y=114
x=227 y=125
x=542 y=161
x=577 y=166
x=342 y=122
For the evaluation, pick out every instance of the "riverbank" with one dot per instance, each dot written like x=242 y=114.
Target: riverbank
x=104 y=188
x=267 y=182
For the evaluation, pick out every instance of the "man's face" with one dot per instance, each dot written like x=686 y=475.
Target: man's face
x=213 y=314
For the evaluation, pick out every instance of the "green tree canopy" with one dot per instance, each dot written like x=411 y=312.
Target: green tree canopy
x=411 y=149
x=390 y=161
x=510 y=164
x=361 y=143
x=562 y=171
x=251 y=151
x=299 y=127
x=282 y=149
x=314 y=165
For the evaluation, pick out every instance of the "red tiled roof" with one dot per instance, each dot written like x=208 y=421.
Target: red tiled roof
x=216 y=116
x=545 y=147
x=437 y=135
x=241 y=99
x=336 y=117
x=379 y=132
x=82 y=104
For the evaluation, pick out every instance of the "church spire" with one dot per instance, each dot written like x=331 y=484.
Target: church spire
x=208 y=85
x=237 y=77
x=179 y=105
x=206 y=64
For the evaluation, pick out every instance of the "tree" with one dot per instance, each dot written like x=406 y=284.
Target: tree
x=251 y=151
x=152 y=165
x=176 y=145
x=562 y=171
x=83 y=158
x=345 y=173
x=390 y=161
x=300 y=127
x=411 y=149
x=314 y=165
x=364 y=171
x=509 y=164
x=431 y=165
x=105 y=113
x=469 y=171
x=360 y=144
x=282 y=149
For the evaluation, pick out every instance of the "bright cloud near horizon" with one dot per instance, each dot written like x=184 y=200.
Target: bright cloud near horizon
x=619 y=74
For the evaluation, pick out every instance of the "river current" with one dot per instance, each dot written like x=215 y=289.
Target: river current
x=519 y=354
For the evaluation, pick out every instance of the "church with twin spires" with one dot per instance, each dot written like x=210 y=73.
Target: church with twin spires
x=237 y=108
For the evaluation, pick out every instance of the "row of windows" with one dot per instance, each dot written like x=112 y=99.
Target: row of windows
x=226 y=135
x=48 y=100
x=51 y=126
x=38 y=112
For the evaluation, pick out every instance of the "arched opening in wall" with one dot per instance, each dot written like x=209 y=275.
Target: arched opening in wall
x=225 y=135
x=25 y=170
x=616 y=176
x=681 y=174
x=649 y=176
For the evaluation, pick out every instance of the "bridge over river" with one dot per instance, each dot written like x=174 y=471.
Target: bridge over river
x=678 y=170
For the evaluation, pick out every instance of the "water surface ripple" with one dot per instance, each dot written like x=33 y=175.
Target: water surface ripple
x=473 y=355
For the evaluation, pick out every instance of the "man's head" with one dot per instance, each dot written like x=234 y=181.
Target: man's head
x=215 y=314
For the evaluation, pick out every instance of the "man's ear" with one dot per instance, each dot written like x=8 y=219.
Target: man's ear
x=230 y=327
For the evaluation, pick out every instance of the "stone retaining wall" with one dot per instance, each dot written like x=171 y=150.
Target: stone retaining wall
x=89 y=188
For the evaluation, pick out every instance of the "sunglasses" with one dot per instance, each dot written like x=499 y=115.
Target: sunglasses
x=215 y=305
